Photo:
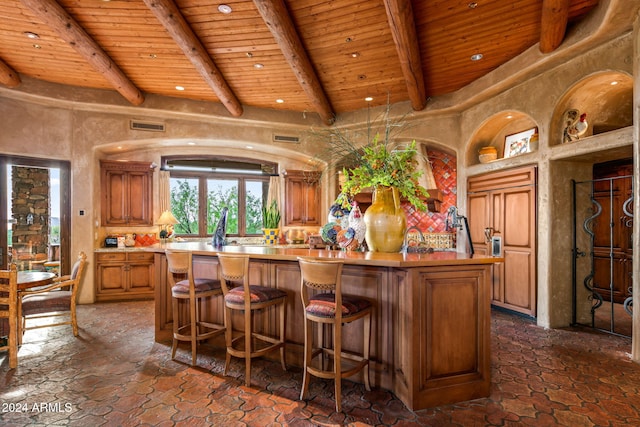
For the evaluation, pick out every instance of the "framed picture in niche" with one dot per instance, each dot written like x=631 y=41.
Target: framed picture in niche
x=519 y=143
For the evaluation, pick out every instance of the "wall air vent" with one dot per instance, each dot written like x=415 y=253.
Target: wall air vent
x=148 y=126
x=286 y=138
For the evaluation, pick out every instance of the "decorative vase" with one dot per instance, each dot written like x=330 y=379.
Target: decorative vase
x=271 y=235
x=219 y=238
x=385 y=221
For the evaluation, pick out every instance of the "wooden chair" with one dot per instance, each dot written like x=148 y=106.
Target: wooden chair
x=241 y=296
x=9 y=313
x=190 y=289
x=321 y=292
x=55 y=300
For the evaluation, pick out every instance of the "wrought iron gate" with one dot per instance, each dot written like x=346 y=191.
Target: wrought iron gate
x=603 y=254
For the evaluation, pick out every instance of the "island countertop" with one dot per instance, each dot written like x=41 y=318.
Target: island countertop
x=430 y=339
x=292 y=252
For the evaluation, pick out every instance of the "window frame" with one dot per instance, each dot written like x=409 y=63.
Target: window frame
x=203 y=176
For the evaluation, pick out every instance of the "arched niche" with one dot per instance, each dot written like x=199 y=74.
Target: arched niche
x=606 y=98
x=493 y=131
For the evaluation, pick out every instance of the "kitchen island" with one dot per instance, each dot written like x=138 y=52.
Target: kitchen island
x=430 y=336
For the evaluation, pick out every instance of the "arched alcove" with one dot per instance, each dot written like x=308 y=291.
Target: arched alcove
x=607 y=100
x=493 y=131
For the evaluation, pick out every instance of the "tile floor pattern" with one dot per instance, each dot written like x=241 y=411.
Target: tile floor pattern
x=115 y=375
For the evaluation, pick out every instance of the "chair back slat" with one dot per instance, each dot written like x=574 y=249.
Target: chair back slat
x=9 y=312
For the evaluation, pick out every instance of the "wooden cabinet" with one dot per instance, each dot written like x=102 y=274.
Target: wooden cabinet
x=503 y=204
x=302 y=198
x=127 y=193
x=124 y=276
x=612 y=245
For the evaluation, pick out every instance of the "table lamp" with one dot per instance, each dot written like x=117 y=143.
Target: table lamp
x=165 y=220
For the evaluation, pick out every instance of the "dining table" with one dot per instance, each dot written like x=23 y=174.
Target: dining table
x=32 y=279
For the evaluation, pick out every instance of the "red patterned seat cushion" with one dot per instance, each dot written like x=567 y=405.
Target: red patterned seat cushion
x=46 y=302
x=324 y=305
x=202 y=285
x=258 y=294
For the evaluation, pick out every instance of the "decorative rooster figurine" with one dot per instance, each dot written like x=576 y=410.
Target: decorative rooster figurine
x=356 y=222
x=575 y=125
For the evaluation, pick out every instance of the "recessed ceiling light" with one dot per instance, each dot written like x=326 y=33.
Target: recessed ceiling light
x=153 y=56
x=224 y=8
x=368 y=99
x=613 y=83
x=37 y=46
x=472 y=5
x=280 y=101
x=355 y=54
x=509 y=116
x=32 y=36
x=179 y=87
x=476 y=57
x=258 y=66
x=249 y=147
x=191 y=143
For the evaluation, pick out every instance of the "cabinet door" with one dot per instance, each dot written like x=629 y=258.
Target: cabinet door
x=302 y=206
x=115 y=196
x=110 y=279
x=140 y=277
x=518 y=229
x=138 y=206
x=127 y=197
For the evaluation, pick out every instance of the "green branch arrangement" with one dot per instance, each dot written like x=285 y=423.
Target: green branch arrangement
x=370 y=161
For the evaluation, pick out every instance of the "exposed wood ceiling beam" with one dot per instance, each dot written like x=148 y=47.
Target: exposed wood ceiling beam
x=8 y=76
x=403 y=29
x=53 y=15
x=553 y=25
x=275 y=15
x=170 y=17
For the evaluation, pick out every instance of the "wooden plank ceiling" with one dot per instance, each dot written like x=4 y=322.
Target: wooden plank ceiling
x=322 y=56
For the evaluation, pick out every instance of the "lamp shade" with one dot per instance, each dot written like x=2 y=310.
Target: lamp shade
x=167 y=218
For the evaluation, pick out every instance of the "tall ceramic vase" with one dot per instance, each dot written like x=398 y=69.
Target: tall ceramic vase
x=385 y=220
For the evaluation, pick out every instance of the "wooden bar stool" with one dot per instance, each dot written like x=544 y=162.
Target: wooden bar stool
x=321 y=292
x=185 y=287
x=239 y=295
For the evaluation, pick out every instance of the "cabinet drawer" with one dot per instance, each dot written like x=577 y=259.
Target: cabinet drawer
x=110 y=256
x=140 y=256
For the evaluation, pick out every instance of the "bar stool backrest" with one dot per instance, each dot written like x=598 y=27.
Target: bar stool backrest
x=321 y=275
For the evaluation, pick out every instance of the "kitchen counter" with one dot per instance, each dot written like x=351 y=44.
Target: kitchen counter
x=430 y=341
x=291 y=252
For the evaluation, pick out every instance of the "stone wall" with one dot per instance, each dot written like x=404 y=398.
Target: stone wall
x=30 y=208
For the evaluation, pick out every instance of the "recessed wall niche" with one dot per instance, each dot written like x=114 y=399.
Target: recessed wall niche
x=606 y=99
x=493 y=131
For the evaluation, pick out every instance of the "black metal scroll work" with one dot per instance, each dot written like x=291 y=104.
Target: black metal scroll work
x=588 y=280
x=627 y=221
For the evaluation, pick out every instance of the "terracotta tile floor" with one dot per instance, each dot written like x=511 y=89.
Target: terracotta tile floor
x=115 y=375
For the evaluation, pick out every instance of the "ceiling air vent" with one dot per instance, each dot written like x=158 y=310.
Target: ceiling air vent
x=286 y=138
x=148 y=126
